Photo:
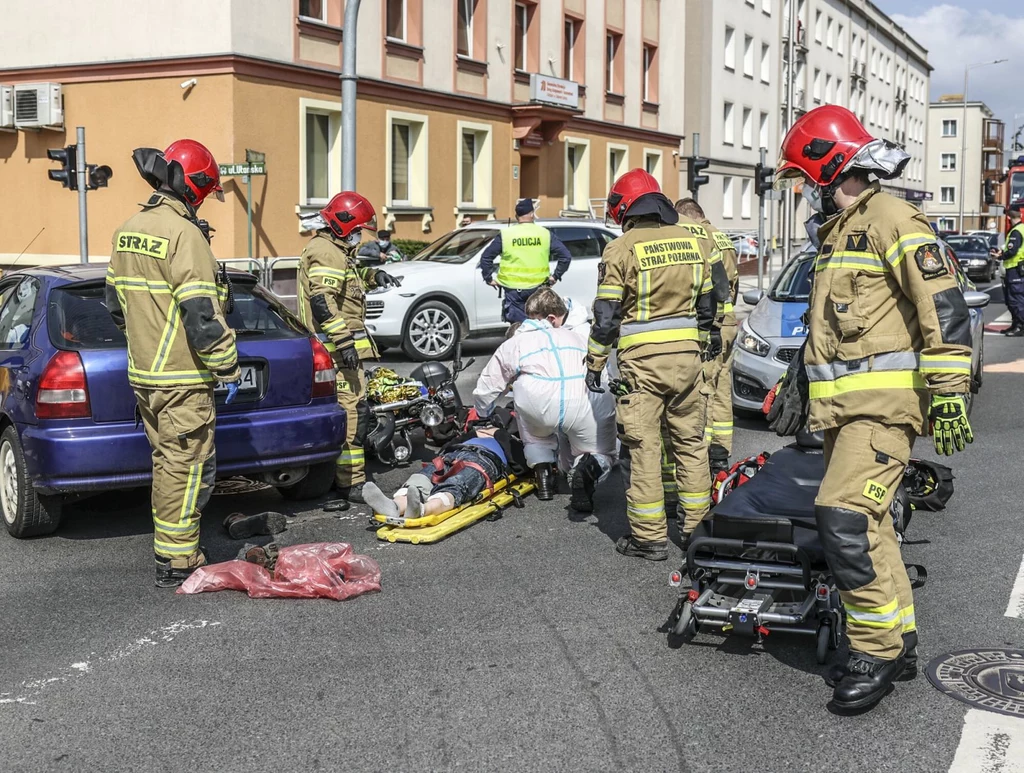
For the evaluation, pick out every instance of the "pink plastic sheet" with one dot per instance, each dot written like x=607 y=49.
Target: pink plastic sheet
x=328 y=570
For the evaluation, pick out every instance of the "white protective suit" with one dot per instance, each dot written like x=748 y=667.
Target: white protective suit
x=544 y=366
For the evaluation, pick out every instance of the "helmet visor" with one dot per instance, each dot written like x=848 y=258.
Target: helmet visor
x=787 y=178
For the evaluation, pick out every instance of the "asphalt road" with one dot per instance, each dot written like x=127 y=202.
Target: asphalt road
x=525 y=643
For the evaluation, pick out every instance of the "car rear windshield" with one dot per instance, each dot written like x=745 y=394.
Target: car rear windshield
x=967 y=243
x=458 y=246
x=78 y=318
x=794 y=283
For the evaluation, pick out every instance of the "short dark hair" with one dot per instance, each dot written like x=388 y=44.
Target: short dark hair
x=545 y=302
x=383 y=234
x=690 y=208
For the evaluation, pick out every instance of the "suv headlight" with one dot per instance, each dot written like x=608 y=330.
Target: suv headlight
x=749 y=341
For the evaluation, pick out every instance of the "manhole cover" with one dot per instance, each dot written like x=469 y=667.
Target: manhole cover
x=990 y=679
x=237 y=486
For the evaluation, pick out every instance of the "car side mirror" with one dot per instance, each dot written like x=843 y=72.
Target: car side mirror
x=976 y=299
x=752 y=297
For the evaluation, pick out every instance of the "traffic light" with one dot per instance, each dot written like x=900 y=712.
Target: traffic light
x=694 y=179
x=68 y=158
x=764 y=177
x=990 y=191
x=97 y=176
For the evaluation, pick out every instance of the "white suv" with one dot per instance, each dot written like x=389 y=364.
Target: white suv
x=443 y=295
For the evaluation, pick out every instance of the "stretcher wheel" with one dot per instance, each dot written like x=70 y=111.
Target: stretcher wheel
x=686 y=623
x=824 y=643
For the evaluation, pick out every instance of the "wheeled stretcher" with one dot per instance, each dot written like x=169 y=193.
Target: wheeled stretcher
x=756 y=565
x=505 y=492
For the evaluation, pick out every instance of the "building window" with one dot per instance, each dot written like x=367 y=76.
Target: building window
x=888 y=69
x=817 y=26
x=766 y=6
x=949 y=127
x=313 y=9
x=318 y=149
x=948 y=162
x=612 y=65
x=618 y=163
x=571 y=30
x=407 y=160
x=522 y=27
x=816 y=89
x=874 y=61
x=727 y=198
x=763 y=131
x=830 y=39
x=577 y=175
x=652 y=164
x=745 y=187
x=748 y=56
x=730 y=48
x=464 y=31
x=828 y=89
x=475 y=165
x=948 y=193
x=728 y=134
x=748 y=128
x=840 y=99
x=947 y=224
x=395 y=20
x=650 y=73
x=840 y=45
x=766 y=62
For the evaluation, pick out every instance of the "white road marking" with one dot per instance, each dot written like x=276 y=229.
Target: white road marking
x=990 y=743
x=1016 y=606
x=1004 y=317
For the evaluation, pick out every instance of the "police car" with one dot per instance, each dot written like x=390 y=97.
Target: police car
x=443 y=296
x=769 y=338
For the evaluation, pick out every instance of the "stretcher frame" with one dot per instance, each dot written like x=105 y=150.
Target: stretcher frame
x=433 y=528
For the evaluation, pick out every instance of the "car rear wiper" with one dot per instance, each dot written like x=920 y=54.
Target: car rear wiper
x=247 y=332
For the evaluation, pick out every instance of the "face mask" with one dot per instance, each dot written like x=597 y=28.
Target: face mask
x=812 y=195
x=815 y=222
x=384 y=245
x=353 y=238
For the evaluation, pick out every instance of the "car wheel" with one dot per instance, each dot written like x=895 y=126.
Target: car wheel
x=431 y=332
x=25 y=513
x=318 y=481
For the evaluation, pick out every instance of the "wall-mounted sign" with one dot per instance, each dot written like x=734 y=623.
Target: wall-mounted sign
x=554 y=91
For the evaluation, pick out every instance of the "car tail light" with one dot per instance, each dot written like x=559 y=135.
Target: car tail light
x=324 y=377
x=63 y=393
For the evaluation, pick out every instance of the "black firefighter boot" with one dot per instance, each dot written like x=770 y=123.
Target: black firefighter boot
x=634 y=548
x=1016 y=330
x=584 y=475
x=866 y=681
x=718 y=458
x=545 y=481
x=838 y=671
x=347 y=494
x=168 y=576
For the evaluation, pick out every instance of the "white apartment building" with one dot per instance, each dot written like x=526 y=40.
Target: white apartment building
x=949 y=157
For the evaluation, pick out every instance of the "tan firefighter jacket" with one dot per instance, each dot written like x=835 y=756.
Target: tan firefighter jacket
x=332 y=294
x=658 y=288
x=162 y=291
x=889 y=326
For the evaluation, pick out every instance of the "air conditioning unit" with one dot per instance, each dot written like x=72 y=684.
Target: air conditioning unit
x=7 y=108
x=38 y=106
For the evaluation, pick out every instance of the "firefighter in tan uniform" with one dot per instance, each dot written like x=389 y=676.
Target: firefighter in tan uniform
x=887 y=358
x=162 y=291
x=332 y=300
x=656 y=298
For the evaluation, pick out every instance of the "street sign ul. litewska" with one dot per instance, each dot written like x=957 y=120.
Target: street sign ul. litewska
x=233 y=170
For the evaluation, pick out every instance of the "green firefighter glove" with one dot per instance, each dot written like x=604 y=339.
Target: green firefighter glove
x=951 y=430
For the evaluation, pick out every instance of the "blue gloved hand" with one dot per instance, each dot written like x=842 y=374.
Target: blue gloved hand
x=232 y=392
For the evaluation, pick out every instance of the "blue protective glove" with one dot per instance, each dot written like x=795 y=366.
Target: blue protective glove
x=232 y=392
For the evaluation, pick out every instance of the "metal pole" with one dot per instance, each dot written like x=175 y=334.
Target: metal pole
x=248 y=209
x=771 y=240
x=760 y=229
x=348 y=97
x=83 y=215
x=696 y=152
x=787 y=202
x=963 y=154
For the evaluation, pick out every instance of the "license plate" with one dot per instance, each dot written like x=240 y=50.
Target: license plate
x=248 y=383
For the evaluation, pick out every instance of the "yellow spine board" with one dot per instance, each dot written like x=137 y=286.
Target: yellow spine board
x=456 y=519
x=433 y=520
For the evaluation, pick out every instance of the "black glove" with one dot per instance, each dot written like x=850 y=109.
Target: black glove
x=713 y=347
x=349 y=357
x=593 y=381
x=788 y=412
x=384 y=279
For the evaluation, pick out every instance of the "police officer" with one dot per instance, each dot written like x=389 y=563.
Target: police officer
x=718 y=372
x=526 y=250
x=332 y=300
x=657 y=294
x=1013 y=283
x=887 y=358
x=162 y=291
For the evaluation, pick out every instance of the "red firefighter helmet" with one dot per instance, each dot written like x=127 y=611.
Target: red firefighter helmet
x=347 y=212
x=819 y=145
x=201 y=173
x=626 y=190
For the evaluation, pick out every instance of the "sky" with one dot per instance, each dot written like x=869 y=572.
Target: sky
x=957 y=33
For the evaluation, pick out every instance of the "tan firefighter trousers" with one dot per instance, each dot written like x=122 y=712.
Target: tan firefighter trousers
x=351 y=465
